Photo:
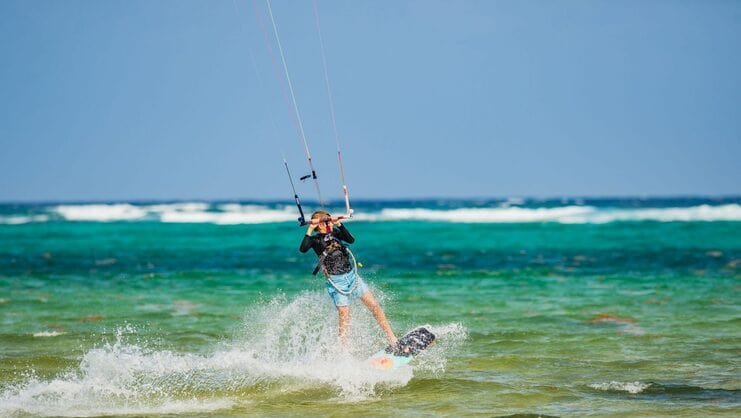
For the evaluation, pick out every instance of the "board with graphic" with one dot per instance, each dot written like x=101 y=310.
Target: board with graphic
x=411 y=344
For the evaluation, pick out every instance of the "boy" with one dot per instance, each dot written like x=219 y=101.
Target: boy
x=343 y=283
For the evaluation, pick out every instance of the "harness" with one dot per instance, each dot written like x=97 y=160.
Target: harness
x=333 y=246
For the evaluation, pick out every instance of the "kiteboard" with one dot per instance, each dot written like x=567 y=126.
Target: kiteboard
x=411 y=344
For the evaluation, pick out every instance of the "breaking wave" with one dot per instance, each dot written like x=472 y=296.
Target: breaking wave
x=193 y=212
x=507 y=212
x=565 y=214
x=20 y=219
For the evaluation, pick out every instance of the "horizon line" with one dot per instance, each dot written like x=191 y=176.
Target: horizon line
x=340 y=201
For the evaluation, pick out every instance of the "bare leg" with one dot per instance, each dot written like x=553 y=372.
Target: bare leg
x=375 y=308
x=344 y=324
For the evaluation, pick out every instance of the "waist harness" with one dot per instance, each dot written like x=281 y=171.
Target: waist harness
x=334 y=248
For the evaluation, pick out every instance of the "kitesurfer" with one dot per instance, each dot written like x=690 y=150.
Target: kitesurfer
x=343 y=282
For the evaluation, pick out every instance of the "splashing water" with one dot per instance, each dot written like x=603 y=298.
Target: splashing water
x=285 y=346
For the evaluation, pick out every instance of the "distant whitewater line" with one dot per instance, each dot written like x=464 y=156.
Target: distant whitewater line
x=236 y=213
x=566 y=214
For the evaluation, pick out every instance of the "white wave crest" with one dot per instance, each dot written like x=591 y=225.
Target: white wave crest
x=565 y=214
x=101 y=213
x=705 y=213
x=186 y=212
x=480 y=215
x=236 y=213
x=630 y=387
x=48 y=333
x=231 y=214
x=178 y=207
x=20 y=219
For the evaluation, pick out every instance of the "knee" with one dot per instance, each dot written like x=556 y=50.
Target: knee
x=343 y=312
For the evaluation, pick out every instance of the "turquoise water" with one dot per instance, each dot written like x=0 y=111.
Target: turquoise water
x=557 y=308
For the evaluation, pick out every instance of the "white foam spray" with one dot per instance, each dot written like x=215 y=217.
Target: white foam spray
x=285 y=345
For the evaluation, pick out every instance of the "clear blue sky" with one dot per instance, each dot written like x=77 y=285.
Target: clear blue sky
x=111 y=100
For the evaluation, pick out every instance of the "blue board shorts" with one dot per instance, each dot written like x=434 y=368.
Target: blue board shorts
x=346 y=282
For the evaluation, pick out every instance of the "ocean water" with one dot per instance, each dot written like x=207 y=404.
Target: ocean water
x=566 y=307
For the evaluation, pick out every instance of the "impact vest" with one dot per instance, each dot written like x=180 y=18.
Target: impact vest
x=334 y=260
